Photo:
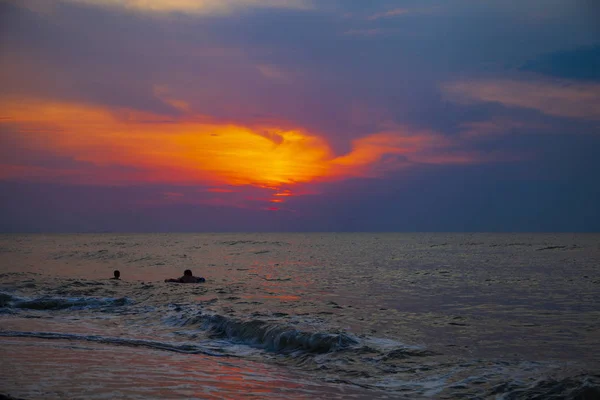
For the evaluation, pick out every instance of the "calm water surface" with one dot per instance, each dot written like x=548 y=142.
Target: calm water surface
x=301 y=316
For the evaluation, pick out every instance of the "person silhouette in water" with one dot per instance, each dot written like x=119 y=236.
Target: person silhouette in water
x=187 y=277
x=117 y=275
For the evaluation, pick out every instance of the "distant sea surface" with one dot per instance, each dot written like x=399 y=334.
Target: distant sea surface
x=301 y=316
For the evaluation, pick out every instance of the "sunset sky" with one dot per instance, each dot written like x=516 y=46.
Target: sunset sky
x=299 y=115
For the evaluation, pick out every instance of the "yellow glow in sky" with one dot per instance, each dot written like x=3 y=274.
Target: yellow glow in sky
x=191 y=150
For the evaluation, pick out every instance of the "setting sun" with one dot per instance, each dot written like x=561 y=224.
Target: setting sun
x=193 y=149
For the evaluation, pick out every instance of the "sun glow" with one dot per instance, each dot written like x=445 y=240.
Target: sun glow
x=192 y=149
x=174 y=151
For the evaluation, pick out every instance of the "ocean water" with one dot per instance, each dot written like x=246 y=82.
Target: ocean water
x=299 y=316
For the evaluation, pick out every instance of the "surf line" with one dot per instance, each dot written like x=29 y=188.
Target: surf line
x=152 y=344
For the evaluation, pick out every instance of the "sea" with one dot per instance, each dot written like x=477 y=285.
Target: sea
x=300 y=316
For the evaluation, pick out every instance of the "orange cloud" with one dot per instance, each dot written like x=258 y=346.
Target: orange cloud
x=199 y=150
x=175 y=151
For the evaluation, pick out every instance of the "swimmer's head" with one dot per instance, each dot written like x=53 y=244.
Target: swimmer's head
x=187 y=272
x=117 y=274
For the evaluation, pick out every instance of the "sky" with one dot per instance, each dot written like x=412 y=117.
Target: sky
x=299 y=115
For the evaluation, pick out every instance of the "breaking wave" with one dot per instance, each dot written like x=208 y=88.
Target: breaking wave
x=270 y=336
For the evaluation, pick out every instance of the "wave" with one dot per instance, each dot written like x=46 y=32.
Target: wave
x=60 y=303
x=554 y=248
x=271 y=337
x=283 y=339
x=152 y=344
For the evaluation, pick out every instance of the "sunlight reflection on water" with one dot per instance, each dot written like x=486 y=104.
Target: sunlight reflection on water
x=61 y=369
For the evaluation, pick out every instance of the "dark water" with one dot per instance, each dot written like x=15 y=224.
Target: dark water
x=301 y=316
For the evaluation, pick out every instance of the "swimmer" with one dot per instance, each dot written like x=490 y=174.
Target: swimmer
x=117 y=275
x=187 y=278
